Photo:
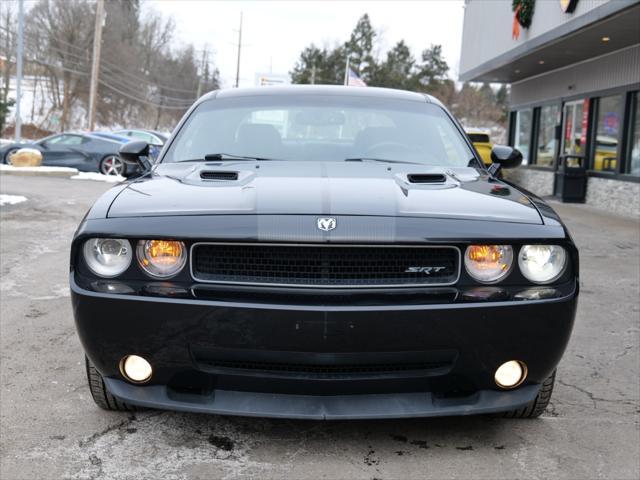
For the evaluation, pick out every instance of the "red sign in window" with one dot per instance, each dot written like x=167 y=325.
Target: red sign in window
x=585 y=121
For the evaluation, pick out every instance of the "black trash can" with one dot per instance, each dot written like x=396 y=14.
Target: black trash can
x=571 y=179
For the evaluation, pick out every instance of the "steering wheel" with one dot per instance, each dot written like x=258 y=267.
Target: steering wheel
x=385 y=149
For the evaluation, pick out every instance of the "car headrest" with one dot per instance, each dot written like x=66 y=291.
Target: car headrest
x=260 y=139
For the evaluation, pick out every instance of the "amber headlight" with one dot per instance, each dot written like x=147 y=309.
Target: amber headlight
x=161 y=258
x=542 y=263
x=488 y=263
x=107 y=257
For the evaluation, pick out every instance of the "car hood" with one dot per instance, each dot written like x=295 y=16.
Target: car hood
x=323 y=188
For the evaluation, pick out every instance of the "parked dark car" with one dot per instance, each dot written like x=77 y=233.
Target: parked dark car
x=86 y=152
x=324 y=253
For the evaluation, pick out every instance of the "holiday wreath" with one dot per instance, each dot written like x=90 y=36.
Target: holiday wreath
x=523 y=13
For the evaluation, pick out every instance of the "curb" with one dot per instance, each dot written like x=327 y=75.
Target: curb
x=59 y=172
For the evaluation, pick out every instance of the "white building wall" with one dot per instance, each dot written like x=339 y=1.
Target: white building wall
x=488 y=27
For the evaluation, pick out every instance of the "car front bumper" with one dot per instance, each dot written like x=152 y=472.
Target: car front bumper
x=278 y=360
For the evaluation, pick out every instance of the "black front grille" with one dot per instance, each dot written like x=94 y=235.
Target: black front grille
x=325 y=266
x=324 y=371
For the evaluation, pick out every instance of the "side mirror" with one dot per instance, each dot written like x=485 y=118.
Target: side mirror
x=136 y=153
x=504 y=156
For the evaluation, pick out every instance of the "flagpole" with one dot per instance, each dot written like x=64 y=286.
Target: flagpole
x=346 y=71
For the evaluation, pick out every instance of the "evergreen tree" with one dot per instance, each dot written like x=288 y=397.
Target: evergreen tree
x=487 y=92
x=502 y=99
x=397 y=71
x=320 y=66
x=359 y=48
x=433 y=70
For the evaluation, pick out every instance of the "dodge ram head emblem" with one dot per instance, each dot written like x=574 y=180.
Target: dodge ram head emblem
x=326 y=223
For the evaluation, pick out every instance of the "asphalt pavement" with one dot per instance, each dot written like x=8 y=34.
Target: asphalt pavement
x=50 y=428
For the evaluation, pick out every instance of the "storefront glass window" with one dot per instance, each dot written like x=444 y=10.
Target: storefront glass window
x=634 y=144
x=608 y=133
x=522 y=133
x=546 y=149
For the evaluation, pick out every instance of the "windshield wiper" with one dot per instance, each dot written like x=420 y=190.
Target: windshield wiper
x=227 y=156
x=381 y=160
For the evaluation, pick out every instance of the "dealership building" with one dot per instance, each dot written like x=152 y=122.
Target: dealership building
x=574 y=70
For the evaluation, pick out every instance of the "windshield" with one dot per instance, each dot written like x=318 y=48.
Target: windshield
x=321 y=128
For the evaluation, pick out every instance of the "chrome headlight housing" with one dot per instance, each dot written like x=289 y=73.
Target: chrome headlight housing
x=488 y=263
x=161 y=258
x=542 y=263
x=107 y=257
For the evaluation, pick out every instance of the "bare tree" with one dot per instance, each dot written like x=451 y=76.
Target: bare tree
x=143 y=80
x=8 y=40
x=65 y=29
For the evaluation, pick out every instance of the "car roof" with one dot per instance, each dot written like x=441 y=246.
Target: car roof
x=144 y=130
x=109 y=137
x=329 y=90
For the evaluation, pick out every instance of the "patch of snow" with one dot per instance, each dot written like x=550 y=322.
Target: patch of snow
x=98 y=177
x=37 y=169
x=11 y=199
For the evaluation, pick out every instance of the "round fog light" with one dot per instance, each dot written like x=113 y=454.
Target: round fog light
x=135 y=369
x=510 y=374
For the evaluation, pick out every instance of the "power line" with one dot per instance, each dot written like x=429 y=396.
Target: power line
x=127 y=84
x=70 y=70
x=146 y=102
x=115 y=89
x=134 y=77
x=122 y=83
x=118 y=78
x=127 y=72
x=117 y=82
x=83 y=57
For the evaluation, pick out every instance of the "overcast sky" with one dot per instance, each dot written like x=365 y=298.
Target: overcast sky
x=275 y=32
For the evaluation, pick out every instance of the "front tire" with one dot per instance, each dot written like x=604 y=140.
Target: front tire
x=8 y=155
x=112 y=165
x=538 y=405
x=100 y=394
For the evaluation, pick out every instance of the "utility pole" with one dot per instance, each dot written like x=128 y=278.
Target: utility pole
x=18 y=119
x=95 y=66
x=205 y=59
x=239 y=48
x=313 y=75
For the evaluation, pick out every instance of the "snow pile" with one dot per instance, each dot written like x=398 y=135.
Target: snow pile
x=11 y=199
x=11 y=168
x=98 y=177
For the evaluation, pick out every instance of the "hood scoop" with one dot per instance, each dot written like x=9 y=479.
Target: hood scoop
x=427 y=178
x=219 y=175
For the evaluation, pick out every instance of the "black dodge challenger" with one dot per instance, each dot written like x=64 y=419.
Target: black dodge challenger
x=324 y=253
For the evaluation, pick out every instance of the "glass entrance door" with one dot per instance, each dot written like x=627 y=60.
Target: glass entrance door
x=575 y=119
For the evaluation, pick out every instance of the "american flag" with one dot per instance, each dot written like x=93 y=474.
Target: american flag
x=353 y=80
